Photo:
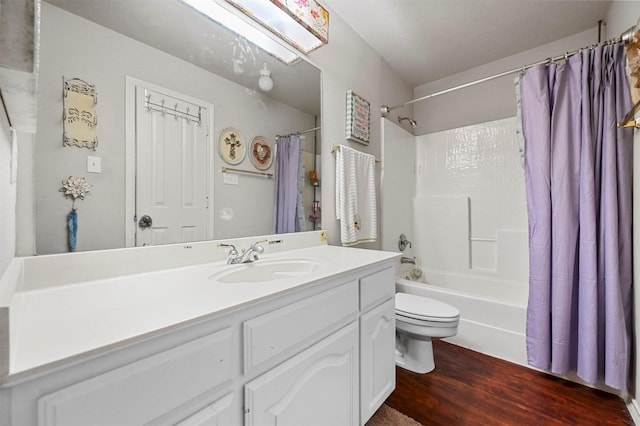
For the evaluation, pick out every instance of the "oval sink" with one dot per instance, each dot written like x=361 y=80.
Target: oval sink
x=266 y=270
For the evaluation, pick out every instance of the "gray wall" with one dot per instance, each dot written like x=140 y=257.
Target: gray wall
x=74 y=47
x=348 y=63
x=487 y=101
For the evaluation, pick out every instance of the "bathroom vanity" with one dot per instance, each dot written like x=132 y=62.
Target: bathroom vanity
x=303 y=336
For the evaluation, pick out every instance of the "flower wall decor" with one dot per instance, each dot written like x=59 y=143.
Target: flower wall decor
x=74 y=188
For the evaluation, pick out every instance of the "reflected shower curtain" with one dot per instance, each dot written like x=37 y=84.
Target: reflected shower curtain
x=289 y=185
x=578 y=168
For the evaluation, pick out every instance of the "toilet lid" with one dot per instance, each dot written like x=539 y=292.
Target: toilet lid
x=419 y=307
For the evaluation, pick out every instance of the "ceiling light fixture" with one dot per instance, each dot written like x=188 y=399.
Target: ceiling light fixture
x=227 y=15
x=265 y=82
x=304 y=24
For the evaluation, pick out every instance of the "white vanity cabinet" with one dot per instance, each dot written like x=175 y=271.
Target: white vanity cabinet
x=321 y=354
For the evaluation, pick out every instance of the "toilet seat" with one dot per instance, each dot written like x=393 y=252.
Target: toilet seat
x=417 y=309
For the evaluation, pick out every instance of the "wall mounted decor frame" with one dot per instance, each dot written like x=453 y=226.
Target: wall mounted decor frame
x=358 y=118
x=260 y=153
x=79 y=118
x=231 y=146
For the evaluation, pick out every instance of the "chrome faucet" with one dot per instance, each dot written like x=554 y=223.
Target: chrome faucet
x=405 y=259
x=246 y=255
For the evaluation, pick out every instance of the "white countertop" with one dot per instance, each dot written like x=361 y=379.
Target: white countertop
x=57 y=323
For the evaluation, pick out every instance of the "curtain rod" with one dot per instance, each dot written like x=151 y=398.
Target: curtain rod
x=298 y=133
x=626 y=37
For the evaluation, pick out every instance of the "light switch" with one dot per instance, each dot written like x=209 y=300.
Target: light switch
x=94 y=164
x=230 y=179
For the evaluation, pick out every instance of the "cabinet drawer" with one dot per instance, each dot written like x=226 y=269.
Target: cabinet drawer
x=376 y=288
x=290 y=327
x=144 y=390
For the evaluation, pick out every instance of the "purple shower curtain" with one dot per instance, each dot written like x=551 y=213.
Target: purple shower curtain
x=289 y=180
x=578 y=167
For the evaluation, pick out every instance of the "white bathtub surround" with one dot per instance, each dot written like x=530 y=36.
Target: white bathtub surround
x=190 y=340
x=470 y=233
x=462 y=204
x=470 y=209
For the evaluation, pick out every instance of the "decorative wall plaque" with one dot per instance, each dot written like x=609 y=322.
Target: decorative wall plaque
x=231 y=146
x=358 y=118
x=79 y=118
x=260 y=153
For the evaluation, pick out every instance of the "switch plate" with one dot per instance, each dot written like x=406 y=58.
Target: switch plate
x=230 y=179
x=94 y=164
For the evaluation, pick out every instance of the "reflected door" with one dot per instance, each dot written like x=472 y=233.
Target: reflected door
x=172 y=152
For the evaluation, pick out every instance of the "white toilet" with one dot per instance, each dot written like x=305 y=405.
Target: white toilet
x=418 y=319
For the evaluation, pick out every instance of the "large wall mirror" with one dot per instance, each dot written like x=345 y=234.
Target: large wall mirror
x=130 y=50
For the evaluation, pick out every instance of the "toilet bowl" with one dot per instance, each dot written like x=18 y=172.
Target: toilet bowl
x=418 y=320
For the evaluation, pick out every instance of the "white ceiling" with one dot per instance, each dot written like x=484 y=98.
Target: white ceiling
x=425 y=40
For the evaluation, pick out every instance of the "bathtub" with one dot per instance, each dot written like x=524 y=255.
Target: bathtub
x=492 y=319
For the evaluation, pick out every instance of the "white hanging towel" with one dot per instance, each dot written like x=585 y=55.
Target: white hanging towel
x=356 y=196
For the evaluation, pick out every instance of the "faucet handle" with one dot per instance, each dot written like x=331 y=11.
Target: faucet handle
x=258 y=248
x=233 y=251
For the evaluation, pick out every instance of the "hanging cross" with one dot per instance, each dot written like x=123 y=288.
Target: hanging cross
x=233 y=143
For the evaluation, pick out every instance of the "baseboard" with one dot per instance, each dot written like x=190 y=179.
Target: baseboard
x=634 y=409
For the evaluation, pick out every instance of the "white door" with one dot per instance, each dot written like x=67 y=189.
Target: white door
x=172 y=168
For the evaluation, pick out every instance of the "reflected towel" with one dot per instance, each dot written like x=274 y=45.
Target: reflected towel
x=355 y=196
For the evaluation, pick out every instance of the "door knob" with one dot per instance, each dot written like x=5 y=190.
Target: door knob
x=145 y=221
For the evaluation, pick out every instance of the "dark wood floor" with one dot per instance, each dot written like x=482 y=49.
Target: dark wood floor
x=469 y=388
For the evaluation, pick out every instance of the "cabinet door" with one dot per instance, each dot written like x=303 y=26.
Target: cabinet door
x=319 y=386
x=377 y=358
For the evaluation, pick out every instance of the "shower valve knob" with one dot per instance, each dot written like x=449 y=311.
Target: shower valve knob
x=403 y=242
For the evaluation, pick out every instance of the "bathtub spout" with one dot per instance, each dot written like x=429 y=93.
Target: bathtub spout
x=405 y=259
